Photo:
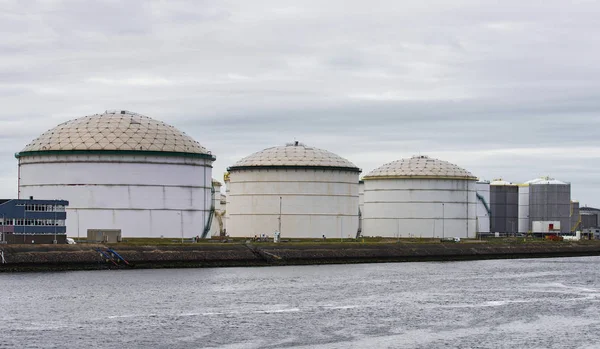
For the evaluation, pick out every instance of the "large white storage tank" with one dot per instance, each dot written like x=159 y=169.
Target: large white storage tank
x=304 y=191
x=121 y=170
x=420 y=197
x=483 y=206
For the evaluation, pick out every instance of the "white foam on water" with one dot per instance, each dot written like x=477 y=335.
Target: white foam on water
x=292 y=310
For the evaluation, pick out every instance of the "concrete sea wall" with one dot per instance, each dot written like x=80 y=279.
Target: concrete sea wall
x=86 y=257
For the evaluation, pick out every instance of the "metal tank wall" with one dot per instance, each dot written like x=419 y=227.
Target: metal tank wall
x=215 y=227
x=144 y=196
x=575 y=216
x=589 y=220
x=550 y=202
x=314 y=202
x=483 y=206
x=504 y=201
x=427 y=208
x=361 y=203
x=226 y=217
x=523 y=214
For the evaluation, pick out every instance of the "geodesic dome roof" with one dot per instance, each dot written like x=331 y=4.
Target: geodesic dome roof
x=115 y=131
x=294 y=155
x=420 y=167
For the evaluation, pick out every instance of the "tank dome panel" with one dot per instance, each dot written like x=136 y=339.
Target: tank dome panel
x=115 y=131
x=418 y=167
x=294 y=155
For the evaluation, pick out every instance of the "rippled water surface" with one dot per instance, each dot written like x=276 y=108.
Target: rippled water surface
x=536 y=303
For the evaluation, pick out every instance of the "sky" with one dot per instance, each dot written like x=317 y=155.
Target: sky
x=505 y=89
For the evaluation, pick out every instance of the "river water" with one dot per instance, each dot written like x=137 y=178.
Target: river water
x=534 y=303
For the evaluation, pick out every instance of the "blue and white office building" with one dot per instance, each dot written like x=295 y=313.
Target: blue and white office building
x=28 y=220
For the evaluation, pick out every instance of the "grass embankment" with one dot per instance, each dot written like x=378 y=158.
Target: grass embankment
x=312 y=241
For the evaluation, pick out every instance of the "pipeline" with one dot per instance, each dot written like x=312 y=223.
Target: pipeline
x=210 y=214
x=485 y=204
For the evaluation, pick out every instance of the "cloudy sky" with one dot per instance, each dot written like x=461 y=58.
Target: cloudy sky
x=505 y=89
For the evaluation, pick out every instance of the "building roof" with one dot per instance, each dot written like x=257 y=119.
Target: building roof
x=295 y=155
x=420 y=167
x=543 y=180
x=115 y=131
x=589 y=209
x=501 y=182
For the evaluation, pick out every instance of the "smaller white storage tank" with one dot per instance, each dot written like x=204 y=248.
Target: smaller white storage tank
x=483 y=206
x=361 y=204
x=420 y=197
x=504 y=201
x=524 y=224
x=575 y=216
x=217 y=223
x=550 y=200
x=297 y=190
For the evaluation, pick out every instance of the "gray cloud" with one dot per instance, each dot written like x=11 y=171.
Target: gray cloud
x=504 y=89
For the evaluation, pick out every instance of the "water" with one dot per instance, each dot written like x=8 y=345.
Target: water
x=536 y=303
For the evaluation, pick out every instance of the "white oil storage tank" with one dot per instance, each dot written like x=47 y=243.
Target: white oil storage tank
x=550 y=201
x=504 y=202
x=483 y=206
x=301 y=191
x=575 y=216
x=420 y=197
x=523 y=214
x=361 y=204
x=121 y=170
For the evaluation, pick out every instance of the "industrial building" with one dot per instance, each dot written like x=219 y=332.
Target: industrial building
x=504 y=203
x=298 y=190
x=33 y=221
x=420 y=197
x=122 y=171
x=484 y=211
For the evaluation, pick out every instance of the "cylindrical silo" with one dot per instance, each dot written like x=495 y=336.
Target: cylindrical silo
x=524 y=223
x=550 y=206
x=575 y=216
x=420 y=197
x=483 y=206
x=589 y=220
x=122 y=170
x=301 y=191
x=361 y=204
x=504 y=201
x=217 y=223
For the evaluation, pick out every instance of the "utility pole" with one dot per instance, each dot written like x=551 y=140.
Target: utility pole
x=342 y=229
x=443 y=221
x=280 y=215
x=54 y=209
x=181 y=215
